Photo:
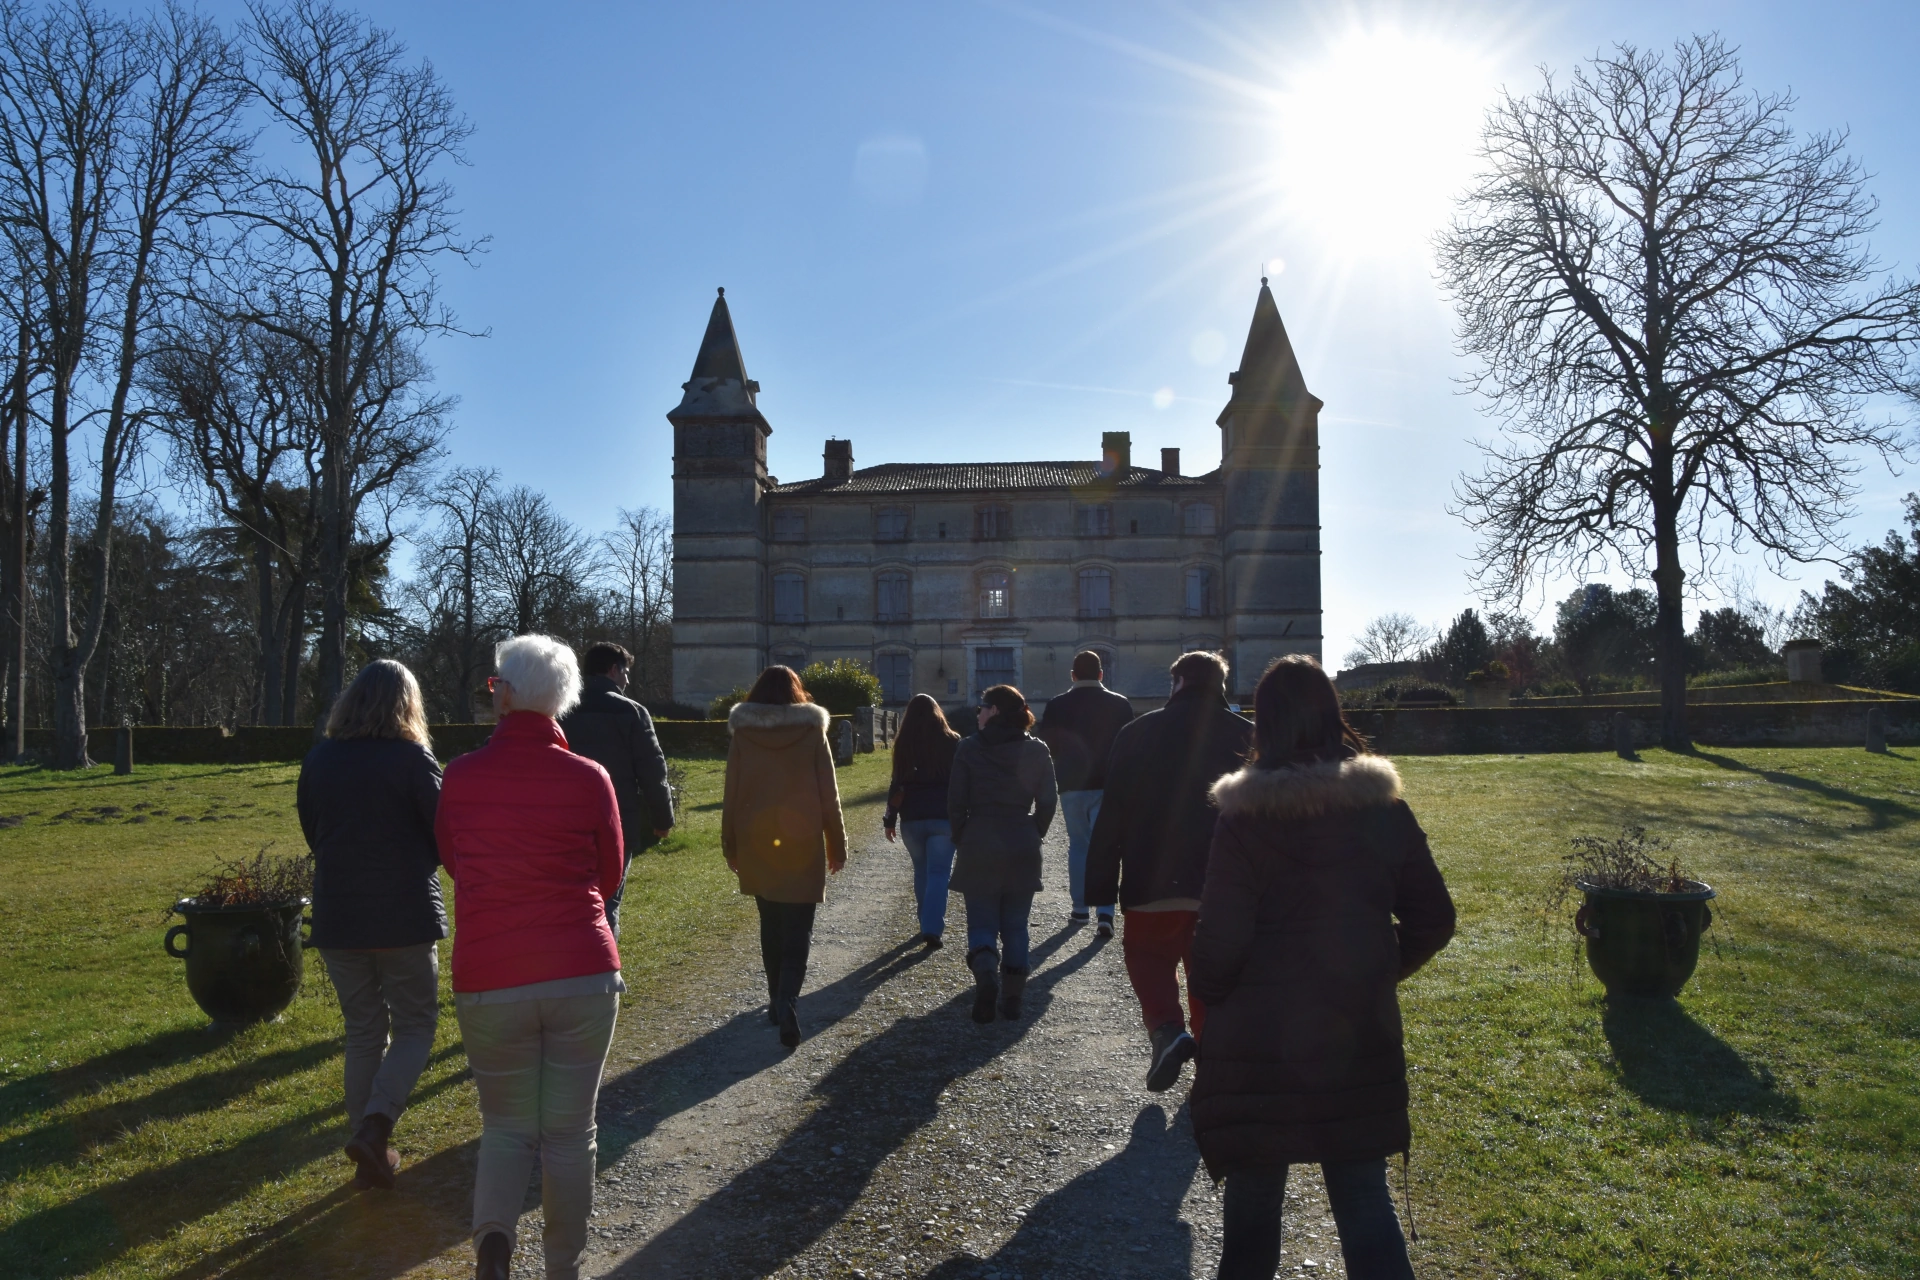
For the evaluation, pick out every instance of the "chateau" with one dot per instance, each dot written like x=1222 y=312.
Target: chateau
x=946 y=578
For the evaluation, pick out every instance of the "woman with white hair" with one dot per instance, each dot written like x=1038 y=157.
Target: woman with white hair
x=366 y=798
x=530 y=833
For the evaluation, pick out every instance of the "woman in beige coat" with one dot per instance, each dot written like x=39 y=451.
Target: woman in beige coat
x=780 y=827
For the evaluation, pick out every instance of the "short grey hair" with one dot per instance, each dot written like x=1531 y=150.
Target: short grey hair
x=543 y=672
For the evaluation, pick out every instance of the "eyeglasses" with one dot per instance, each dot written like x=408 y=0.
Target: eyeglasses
x=494 y=683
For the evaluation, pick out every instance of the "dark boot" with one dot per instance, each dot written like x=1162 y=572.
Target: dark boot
x=494 y=1257
x=789 y=1024
x=1013 y=982
x=368 y=1149
x=773 y=1000
x=985 y=964
x=1172 y=1046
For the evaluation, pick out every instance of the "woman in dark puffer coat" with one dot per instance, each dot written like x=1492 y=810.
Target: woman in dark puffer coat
x=1298 y=958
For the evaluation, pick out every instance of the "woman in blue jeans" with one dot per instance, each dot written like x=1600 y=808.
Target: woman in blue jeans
x=1000 y=801
x=917 y=807
x=1321 y=897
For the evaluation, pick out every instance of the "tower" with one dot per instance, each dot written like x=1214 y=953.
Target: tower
x=719 y=543
x=1270 y=468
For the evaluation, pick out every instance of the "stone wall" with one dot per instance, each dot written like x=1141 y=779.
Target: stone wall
x=1543 y=730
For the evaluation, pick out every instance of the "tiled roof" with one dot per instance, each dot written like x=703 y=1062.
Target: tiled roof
x=978 y=477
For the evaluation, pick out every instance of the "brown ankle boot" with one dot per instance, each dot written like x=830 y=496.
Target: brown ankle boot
x=494 y=1257
x=368 y=1149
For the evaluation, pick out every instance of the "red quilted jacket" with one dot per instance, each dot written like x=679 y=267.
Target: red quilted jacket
x=530 y=834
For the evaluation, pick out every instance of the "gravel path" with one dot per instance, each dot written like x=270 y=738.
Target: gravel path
x=902 y=1139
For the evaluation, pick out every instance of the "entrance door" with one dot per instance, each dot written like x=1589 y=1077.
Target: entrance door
x=896 y=676
x=991 y=667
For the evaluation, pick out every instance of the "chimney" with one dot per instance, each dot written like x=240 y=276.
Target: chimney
x=1170 y=461
x=1116 y=452
x=839 y=460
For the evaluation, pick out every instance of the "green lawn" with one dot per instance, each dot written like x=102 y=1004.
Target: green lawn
x=135 y=1141
x=1767 y=1125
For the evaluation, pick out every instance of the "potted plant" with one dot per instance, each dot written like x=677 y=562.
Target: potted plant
x=242 y=937
x=1641 y=919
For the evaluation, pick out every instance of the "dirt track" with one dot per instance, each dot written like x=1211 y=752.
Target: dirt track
x=902 y=1139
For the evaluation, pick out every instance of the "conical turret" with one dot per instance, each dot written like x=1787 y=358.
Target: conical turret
x=1269 y=377
x=719 y=387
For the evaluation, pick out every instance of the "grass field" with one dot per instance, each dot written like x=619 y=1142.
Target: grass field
x=135 y=1141
x=1767 y=1125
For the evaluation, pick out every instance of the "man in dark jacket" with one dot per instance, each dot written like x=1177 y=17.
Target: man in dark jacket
x=617 y=734
x=1079 y=727
x=1149 y=848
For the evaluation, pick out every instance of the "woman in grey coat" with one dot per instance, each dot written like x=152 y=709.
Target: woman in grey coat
x=1000 y=802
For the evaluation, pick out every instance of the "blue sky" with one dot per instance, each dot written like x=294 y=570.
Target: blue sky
x=993 y=231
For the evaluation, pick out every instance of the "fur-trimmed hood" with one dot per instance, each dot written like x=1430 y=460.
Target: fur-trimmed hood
x=771 y=715
x=1309 y=791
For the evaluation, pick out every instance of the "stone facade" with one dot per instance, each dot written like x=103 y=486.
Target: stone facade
x=946 y=578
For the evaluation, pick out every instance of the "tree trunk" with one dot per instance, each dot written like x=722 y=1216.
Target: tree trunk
x=270 y=646
x=293 y=635
x=336 y=533
x=1670 y=629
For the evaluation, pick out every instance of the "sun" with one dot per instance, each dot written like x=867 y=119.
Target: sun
x=1376 y=135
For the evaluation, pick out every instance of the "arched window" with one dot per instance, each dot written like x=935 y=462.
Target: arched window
x=1200 y=594
x=996 y=595
x=896 y=676
x=1198 y=517
x=789 y=597
x=893 y=597
x=1096 y=593
x=892 y=524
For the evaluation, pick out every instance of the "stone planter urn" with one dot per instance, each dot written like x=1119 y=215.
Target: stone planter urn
x=244 y=963
x=1642 y=943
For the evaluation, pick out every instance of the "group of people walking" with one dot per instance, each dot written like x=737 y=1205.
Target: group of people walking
x=1272 y=859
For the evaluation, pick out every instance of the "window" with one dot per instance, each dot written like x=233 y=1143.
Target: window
x=1093 y=522
x=789 y=597
x=993 y=522
x=992 y=667
x=896 y=676
x=1197 y=517
x=789 y=524
x=1096 y=593
x=996 y=595
x=891 y=524
x=1200 y=601
x=893 y=598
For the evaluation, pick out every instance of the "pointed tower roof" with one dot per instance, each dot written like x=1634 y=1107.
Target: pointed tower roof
x=1269 y=375
x=719 y=387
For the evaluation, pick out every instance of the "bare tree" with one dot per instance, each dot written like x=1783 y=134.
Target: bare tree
x=454 y=574
x=237 y=403
x=536 y=564
x=113 y=137
x=637 y=567
x=342 y=253
x=1678 y=318
x=1392 y=637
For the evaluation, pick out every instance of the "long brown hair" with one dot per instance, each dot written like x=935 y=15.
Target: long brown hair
x=1011 y=704
x=1297 y=717
x=779 y=686
x=926 y=739
x=382 y=702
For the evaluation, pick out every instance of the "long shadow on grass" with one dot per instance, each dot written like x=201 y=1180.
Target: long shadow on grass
x=373 y=1236
x=49 y=1088
x=75 y=1135
x=1671 y=1062
x=90 y=1231
x=1119 y=1218
x=871 y=1103
x=1886 y=813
